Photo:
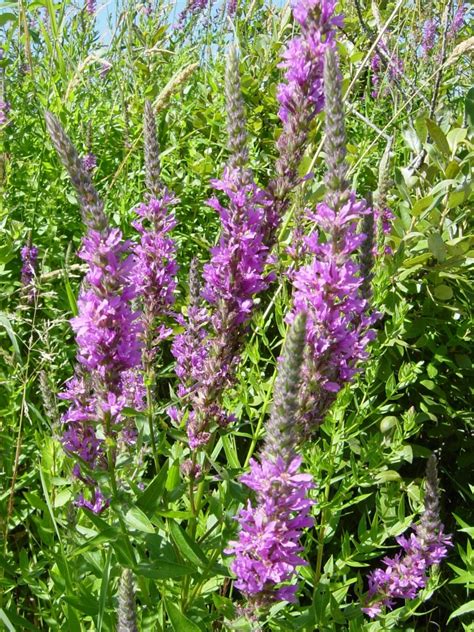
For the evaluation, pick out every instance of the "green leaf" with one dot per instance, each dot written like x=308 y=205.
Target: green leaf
x=464 y=609
x=154 y=491
x=438 y=137
x=469 y=107
x=136 y=519
x=437 y=247
x=443 y=292
x=455 y=198
x=189 y=549
x=5 y=321
x=421 y=205
x=455 y=137
x=179 y=621
x=104 y=589
x=163 y=569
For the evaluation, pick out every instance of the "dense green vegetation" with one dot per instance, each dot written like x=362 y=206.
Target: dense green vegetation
x=410 y=147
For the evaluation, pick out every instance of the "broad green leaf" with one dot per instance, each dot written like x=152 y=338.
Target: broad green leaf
x=5 y=321
x=179 y=621
x=455 y=137
x=163 y=569
x=438 y=137
x=437 y=247
x=464 y=609
x=154 y=491
x=443 y=292
x=136 y=519
x=188 y=549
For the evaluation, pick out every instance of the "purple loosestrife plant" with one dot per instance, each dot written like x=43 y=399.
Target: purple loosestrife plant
x=428 y=37
x=405 y=574
x=4 y=109
x=155 y=268
x=90 y=6
x=155 y=255
x=192 y=8
x=29 y=259
x=89 y=162
x=330 y=288
x=267 y=550
x=235 y=274
x=391 y=62
x=301 y=97
x=458 y=20
x=107 y=334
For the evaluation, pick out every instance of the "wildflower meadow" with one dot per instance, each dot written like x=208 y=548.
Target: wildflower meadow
x=236 y=298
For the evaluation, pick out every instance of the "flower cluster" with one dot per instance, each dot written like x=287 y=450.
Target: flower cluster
x=391 y=61
x=301 y=97
x=89 y=162
x=458 y=20
x=90 y=6
x=154 y=275
x=193 y=7
x=328 y=289
x=4 y=109
x=29 y=257
x=304 y=57
x=234 y=275
x=429 y=36
x=208 y=350
x=267 y=549
x=405 y=574
x=107 y=334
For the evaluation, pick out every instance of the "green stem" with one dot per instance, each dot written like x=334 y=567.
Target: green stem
x=149 y=405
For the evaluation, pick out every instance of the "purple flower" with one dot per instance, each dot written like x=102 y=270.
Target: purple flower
x=208 y=351
x=29 y=256
x=301 y=97
x=107 y=333
x=429 y=36
x=304 y=57
x=4 y=109
x=90 y=6
x=89 y=162
x=304 y=63
x=458 y=20
x=328 y=290
x=193 y=7
x=236 y=270
x=405 y=574
x=391 y=61
x=106 y=68
x=155 y=270
x=231 y=7
x=98 y=503
x=266 y=553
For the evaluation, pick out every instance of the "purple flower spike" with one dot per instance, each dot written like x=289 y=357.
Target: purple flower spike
x=98 y=503
x=458 y=20
x=429 y=36
x=266 y=553
x=89 y=162
x=406 y=573
x=90 y=6
x=29 y=256
x=107 y=333
x=4 y=109
x=156 y=268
